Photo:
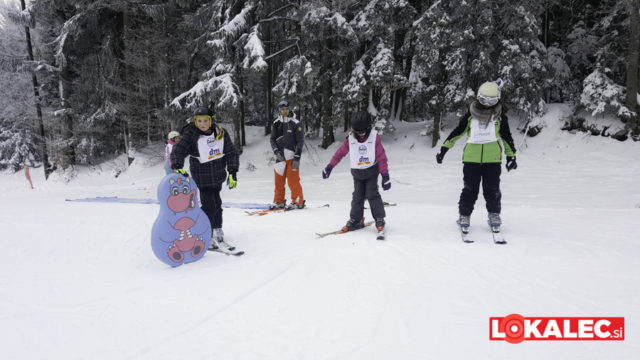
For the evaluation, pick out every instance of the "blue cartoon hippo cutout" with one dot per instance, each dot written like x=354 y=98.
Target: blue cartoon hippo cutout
x=182 y=231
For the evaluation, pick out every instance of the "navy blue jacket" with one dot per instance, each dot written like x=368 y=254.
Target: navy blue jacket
x=209 y=174
x=287 y=135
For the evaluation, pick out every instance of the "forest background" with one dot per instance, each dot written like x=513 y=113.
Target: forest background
x=85 y=81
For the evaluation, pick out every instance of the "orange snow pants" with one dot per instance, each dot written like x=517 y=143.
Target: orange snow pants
x=292 y=177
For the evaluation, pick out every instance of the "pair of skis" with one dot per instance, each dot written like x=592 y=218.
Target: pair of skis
x=386 y=204
x=228 y=251
x=495 y=233
x=263 y=212
x=380 y=235
x=233 y=252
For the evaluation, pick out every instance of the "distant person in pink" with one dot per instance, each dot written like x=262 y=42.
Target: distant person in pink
x=172 y=139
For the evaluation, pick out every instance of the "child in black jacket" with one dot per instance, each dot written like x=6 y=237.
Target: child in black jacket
x=212 y=155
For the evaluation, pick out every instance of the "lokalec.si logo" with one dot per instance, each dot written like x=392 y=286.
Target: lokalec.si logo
x=516 y=328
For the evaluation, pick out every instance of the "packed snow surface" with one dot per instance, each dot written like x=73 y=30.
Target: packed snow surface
x=79 y=279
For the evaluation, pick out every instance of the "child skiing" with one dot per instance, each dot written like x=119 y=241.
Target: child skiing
x=287 y=140
x=172 y=139
x=212 y=155
x=368 y=159
x=486 y=126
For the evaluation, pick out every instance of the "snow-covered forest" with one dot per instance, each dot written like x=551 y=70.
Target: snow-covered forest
x=85 y=81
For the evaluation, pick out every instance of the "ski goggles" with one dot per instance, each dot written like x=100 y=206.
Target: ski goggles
x=488 y=100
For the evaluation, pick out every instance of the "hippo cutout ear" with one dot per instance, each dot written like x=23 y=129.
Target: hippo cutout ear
x=182 y=232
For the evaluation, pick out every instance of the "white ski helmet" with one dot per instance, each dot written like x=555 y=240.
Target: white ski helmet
x=172 y=135
x=488 y=93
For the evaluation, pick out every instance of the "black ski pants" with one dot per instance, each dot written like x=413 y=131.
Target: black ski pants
x=366 y=188
x=212 y=205
x=473 y=175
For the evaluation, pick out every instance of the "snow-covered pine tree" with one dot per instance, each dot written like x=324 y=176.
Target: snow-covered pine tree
x=522 y=56
x=327 y=36
x=18 y=116
x=633 y=71
x=604 y=88
x=600 y=94
x=296 y=83
x=385 y=30
x=444 y=59
x=559 y=83
x=570 y=45
x=232 y=45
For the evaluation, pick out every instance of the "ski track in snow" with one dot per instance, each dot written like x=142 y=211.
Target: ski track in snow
x=208 y=317
x=80 y=279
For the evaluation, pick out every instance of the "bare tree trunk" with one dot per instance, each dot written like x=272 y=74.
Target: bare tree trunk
x=327 y=112
x=170 y=81
x=347 y=109
x=437 y=120
x=392 y=104
x=408 y=60
x=268 y=101
x=243 y=134
x=239 y=123
x=632 y=66
x=440 y=107
x=125 y=117
x=68 y=155
x=377 y=97
x=36 y=92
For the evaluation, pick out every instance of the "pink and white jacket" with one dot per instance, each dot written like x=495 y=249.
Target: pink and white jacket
x=167 y=153
x=380 y=157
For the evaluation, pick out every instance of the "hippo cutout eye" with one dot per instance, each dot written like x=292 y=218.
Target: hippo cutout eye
x=185 y=189
x=175 y=191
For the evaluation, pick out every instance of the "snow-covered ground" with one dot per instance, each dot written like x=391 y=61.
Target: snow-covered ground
x=79 y=280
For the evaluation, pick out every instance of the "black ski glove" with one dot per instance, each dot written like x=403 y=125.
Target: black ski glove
x=511 y=163
x=440 y=155
x=279 y=155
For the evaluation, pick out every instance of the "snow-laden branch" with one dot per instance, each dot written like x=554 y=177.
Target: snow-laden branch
x=37 y=67
x=254 y=52
x=281 y=9
x=281 y=51
x=235 y=25
x=601 y=94
x=223 y=84
x=276 y=18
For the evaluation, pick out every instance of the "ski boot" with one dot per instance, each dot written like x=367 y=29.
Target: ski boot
x=494 y=222
x=464 y=222
x=353 y=225
x=276 y=205
x=217 y=241
x=293 y=206
x=380 y=226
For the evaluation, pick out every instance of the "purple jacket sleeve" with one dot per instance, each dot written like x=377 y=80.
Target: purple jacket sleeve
x=341 y=152
x=381 y=156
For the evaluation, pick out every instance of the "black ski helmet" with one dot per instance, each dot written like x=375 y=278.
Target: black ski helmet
x=203 y=111
x=361 y=122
